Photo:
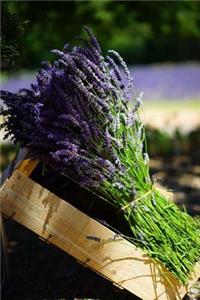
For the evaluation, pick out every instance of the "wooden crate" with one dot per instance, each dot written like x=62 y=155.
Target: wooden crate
x=94 y=245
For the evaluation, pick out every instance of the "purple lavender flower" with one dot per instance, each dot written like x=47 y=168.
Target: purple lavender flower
x=93 y=39
x=115 y=68
x=66 y=118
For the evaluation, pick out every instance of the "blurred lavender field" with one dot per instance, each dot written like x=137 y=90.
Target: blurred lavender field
x=168 y=81
x=158 y=82
x=17 y=81
x=165 y=86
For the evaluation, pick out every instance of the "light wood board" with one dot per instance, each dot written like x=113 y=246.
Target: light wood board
x=61 y=224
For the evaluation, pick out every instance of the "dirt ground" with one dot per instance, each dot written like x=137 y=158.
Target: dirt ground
x=170 y=116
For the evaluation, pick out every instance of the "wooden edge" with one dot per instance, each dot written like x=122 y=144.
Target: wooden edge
x=27 y=166
x=61 y=224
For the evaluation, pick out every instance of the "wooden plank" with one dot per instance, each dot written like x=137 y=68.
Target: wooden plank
x=61 y=224
x=27 y=166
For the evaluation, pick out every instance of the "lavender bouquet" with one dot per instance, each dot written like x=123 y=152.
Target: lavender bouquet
x=81 y=118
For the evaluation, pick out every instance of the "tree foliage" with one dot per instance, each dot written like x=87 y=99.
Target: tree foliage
x=11 y=33
x=142 y=31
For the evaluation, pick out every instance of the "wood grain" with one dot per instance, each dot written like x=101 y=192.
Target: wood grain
x=91 y=243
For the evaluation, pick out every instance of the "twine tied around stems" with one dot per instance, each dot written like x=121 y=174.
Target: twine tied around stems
x=132 y=203
x=151 y=191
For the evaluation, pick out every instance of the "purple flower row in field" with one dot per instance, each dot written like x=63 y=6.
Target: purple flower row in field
x=170 y=82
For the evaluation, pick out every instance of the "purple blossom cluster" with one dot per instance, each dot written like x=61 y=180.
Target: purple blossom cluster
x=70 y=116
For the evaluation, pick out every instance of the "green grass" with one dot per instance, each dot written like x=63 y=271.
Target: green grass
x=169 y=105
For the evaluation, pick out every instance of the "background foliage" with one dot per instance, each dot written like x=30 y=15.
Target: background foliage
x=142 y=31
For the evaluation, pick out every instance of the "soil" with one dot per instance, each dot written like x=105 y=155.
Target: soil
x=37 y=270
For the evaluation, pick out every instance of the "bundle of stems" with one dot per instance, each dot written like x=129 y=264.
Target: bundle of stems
x=82 y=119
